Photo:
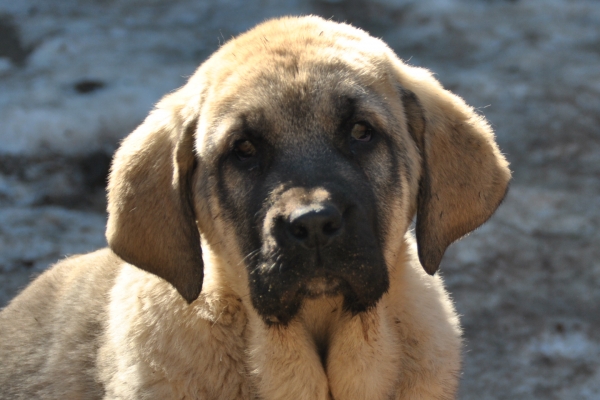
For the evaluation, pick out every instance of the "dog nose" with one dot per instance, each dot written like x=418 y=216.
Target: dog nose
x=315 y=225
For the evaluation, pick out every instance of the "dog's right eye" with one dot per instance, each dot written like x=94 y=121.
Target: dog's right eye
x=244 y=150
x=361 y=132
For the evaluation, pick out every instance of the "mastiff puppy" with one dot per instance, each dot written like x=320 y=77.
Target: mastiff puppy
x=259 y=241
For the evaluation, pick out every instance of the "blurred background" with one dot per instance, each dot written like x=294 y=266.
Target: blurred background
x=76 y=76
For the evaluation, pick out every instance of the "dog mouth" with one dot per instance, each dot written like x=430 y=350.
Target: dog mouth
x=312 y=288
x=278 y=297
x=326 y=285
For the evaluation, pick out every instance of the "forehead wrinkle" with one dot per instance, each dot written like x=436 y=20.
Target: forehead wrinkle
x=293 y=105
x=290 y=69
x=269 y=55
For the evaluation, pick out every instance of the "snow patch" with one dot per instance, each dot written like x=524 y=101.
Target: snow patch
x=572 y=345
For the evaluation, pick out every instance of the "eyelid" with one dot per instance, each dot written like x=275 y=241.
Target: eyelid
x=370 y=112
x=237 y=137
x=364 y=122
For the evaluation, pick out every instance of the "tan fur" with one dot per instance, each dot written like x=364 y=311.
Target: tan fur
x=129 y=322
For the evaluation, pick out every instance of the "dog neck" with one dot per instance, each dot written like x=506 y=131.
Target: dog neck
x=319 y=354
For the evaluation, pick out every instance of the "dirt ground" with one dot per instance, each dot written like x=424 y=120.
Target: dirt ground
x=77 y=76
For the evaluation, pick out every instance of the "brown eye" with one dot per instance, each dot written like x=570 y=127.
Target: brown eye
x=361 y=132
x=244 y=150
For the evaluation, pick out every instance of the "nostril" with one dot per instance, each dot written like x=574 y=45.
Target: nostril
x=331 y=227
x=315 y=224
x=298 y=231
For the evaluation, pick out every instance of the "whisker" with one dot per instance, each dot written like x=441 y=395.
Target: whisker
x=272 y=266
x=249 y=255
x=255 y=269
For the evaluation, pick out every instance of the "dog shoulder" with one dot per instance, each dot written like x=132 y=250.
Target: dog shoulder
x=49 y=332
x=156 y=345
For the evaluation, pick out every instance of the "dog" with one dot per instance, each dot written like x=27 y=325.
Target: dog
x=260 y=240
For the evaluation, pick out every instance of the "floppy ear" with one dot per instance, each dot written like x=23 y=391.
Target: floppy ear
x=464 y=176
x=151 y=221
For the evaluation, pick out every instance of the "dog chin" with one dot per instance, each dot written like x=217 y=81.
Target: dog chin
x=278 y=293
x=322 y=286
x=282 y=308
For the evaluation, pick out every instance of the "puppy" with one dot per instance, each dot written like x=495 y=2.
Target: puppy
x=259 y=243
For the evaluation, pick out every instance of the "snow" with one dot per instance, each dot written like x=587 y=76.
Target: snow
x=574 y=346
x=56 y=232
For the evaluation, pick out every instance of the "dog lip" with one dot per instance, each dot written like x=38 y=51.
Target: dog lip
x=280 y=281
x=280 y=303
x=325 y=285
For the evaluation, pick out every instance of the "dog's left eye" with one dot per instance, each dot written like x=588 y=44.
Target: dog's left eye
x=244 y=150
x=362 y=132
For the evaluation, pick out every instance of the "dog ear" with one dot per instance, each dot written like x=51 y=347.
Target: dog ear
x=151 y=221
x=464 y=176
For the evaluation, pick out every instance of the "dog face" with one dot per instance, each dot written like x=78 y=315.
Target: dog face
x=308 y=147
x=306 y=166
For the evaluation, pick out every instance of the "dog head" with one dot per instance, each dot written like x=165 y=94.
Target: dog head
x=307 y=147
